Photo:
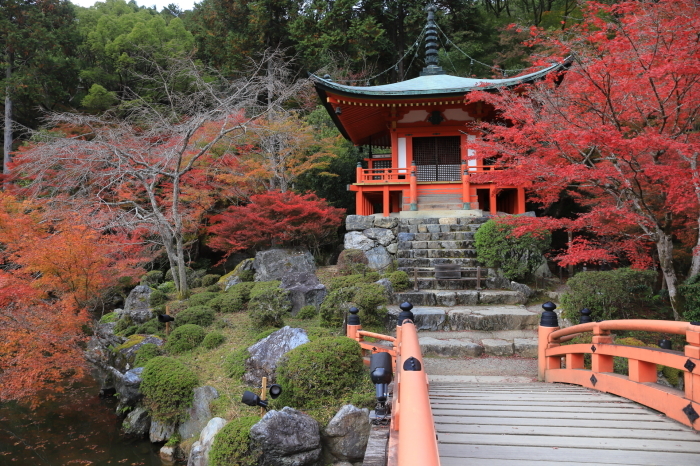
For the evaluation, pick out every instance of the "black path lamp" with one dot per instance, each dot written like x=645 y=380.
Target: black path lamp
x=251 y=399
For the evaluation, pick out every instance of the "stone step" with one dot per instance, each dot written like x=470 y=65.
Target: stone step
x=442 y=236
x=472 y=344
x=435 y=253
x=442 y=284
x=468 y=317
x=436 y=228
x=406 y=263
x=436 y=245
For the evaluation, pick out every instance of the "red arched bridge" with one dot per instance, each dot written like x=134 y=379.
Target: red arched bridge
x=583 y=413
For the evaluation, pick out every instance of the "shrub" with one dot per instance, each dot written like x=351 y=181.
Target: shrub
x=215 y=288
x=368 y=299
x=210 y=279
x=199 y=315
x=307 y=312
x=399 y=280
x=213 y=340
x=243 y=289
x=167 y=287
x=185 y=338
x=152 y=278
x=352 y=261
x=109 y=317
x=228 y=302
x=268 y=303
x=610 y=295
x=146 y=353
x=232 y=444
x=157 y=298
x=265 y=333
x=333 y=307
x=353 y=280
x=168 y=388
x=150 y=327
x=122 y=324
x=247 y=275
x=234 y=364
x=517 y=256
x=305 y=386
x=314 y=333
x=690 y=291
x=200 y=299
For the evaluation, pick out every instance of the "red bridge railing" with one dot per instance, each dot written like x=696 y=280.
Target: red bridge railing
x=565 y=363
x=412 y=439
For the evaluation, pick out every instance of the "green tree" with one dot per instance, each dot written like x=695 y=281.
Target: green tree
x=39 y=70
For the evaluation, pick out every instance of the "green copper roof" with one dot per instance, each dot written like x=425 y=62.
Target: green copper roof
x=435 y=84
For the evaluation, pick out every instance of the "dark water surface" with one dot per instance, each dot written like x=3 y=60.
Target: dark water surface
x=79 y=428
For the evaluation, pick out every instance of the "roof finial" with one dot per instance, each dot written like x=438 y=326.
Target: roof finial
x=431 y=45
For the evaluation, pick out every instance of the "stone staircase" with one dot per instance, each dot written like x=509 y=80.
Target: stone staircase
x=424 y=243
x=439 y=201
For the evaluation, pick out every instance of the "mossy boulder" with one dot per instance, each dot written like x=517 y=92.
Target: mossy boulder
x=243 y=272
x=125 y=354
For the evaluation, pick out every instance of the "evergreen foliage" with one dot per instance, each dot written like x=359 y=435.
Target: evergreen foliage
x=268 y=304
x=517 y=256
x=199 y=315
x=168 y=388
x=184 y=338
x=232 y=444
x=213 y=340
x=146 y=353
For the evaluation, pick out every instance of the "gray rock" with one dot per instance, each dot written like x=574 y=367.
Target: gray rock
x=521 y=288
x=265 y=354
x=199 y=414
x=356 y=240
x=206 y=438
x=450 y=348
x=347 y=433
x=386 y=222
x=137 y=423
x=275 y=264
x=501 y=297
x=406 y=236
x=388 y=288
x=467 y=298
x=525 y=347
x=392 y=248
x=495 y=347
x=304 y=290
x=160 y=431
x=378 y=258
x=128 y=387
x=168 y=454
x=197 y=456
x=381 y=235
x=287 y=438
x=123 y=358
x=138 y=305
x=233 y=278
x=359 y=222
x=99 y=353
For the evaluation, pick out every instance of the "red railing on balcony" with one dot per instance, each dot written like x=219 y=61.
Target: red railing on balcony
x=402 y=175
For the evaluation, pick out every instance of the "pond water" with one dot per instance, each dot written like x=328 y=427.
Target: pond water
x=79 y=428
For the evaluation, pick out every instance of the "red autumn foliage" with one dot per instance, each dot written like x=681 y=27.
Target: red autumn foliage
x=618 y=134
x=52 y=270
x=275 y=219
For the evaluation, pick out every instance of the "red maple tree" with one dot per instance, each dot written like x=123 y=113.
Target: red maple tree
x=618 y=134
x=275 y=219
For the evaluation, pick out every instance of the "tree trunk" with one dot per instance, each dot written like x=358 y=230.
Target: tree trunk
x=664 y=247
x=184 y=291
x=695 y=264
x=7 y=136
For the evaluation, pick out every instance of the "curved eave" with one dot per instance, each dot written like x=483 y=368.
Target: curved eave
x=430 y=86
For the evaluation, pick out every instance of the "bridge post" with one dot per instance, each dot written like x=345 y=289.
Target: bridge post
x=548 y=324
x=692 y=350
x=354 y=326
x=604 y=362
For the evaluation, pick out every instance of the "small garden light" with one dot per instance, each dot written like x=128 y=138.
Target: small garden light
x=251 y=399
x=275 y=391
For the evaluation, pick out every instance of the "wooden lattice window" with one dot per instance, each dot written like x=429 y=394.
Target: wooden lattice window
x=380 y=165
x=437 y=158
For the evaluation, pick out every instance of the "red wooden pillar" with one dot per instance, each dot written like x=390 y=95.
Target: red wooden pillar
x=360 y=203
x=521 y=201
x=414 y=187
x=466 y=187
x=386 y=207
x=492 y=200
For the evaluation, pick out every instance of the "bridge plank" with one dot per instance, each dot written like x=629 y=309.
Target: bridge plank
x=594 y=414
x=606 y=443
x=549 y=422
x=518 y=454
x=566 y=431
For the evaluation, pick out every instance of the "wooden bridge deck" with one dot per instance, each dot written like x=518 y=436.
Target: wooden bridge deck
x=553 y=424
